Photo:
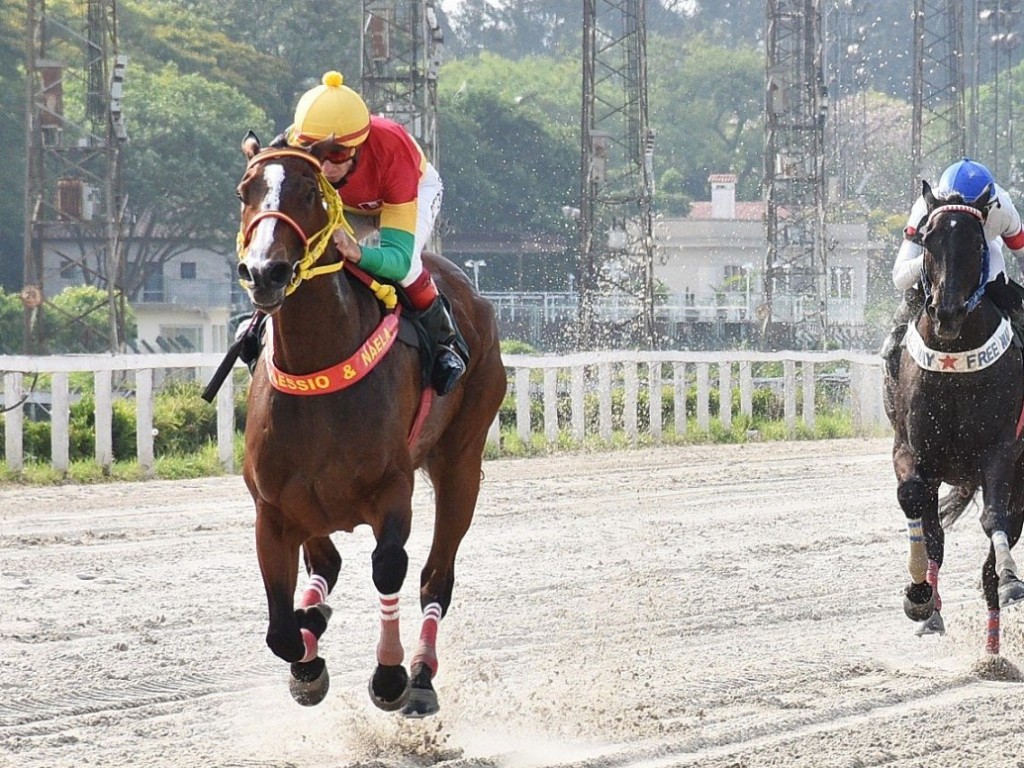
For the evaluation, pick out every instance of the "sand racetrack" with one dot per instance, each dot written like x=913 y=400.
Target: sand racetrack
x=694 y=606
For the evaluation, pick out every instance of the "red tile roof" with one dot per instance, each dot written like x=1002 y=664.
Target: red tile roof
x=700 y=210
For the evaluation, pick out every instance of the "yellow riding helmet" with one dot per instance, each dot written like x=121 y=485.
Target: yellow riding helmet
x=331 y=108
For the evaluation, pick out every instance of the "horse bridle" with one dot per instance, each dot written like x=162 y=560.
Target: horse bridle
x=313 y=245
x=975 y=298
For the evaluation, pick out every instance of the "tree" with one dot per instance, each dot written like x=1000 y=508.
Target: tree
x=271 y=51
x=515 y=176
x=72 y=323
x=543 y=88
x=181 y=166
x=516 y=28
x=706 y=105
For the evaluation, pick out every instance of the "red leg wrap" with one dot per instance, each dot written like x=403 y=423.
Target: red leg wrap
x=426 y=653
x=316 y=592
x=932 y=578
x=389 y=648
x=992 y=638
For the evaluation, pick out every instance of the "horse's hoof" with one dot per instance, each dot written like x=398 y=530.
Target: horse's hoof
x=309 y=682
x=919 y=601
x=1011 y=591
x=389 y=687
x=933 y=625
x=422 y=699
x=422 y=703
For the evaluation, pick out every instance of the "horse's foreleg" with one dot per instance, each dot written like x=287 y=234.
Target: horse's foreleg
x=278 y=552
x=919 y=501
x=309 y=679
x=389 y=686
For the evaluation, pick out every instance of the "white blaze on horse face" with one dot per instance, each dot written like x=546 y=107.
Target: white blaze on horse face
x=263 y=236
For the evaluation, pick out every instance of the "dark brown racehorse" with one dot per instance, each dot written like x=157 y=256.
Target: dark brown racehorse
x=955 y=411
x=336 y=430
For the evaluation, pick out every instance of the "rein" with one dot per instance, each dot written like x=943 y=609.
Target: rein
x=313 y=245
x=975 y=298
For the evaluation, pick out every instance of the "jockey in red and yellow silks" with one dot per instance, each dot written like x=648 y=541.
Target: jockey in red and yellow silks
x=382 y=176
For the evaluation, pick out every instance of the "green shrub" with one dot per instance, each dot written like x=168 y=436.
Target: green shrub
x=184 y=422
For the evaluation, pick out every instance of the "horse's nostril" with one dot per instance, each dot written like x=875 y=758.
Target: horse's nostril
x=279 y=273
x=271 y=275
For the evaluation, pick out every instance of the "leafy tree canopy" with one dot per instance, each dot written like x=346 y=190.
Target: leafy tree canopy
x=511 y=174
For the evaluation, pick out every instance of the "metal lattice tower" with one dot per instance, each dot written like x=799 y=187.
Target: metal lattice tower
x=401 y=53
x=997 y=40
x=939 y=133
x=795 y=275
x=847 y=27
x=72 y=184
x=616 y=167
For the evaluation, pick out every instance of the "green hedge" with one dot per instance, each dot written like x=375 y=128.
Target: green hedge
x=184 y=424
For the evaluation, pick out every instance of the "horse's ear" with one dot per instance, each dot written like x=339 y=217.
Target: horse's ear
x=250 y=145
x=926 y=193
x=984 y=200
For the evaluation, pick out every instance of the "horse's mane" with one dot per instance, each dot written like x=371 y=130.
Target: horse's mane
x=951 y=198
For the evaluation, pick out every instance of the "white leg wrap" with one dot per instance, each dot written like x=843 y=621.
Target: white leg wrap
x=917 y=560
x=1004 y=560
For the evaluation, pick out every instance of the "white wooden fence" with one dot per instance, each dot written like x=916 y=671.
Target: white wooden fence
x=587 y=372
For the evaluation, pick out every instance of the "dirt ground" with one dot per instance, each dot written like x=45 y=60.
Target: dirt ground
x=719 y=606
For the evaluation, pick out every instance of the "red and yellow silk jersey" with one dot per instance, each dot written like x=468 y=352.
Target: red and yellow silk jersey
x=385 y=183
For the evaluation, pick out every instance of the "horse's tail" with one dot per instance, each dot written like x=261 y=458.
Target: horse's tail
x=953 y=505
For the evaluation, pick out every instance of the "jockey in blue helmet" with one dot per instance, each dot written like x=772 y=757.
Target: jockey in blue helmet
x=974 y=183
x=965 y=177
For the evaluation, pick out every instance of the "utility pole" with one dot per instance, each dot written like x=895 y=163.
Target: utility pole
x=72 y=174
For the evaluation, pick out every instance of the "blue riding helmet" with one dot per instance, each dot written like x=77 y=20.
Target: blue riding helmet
x=965 y=177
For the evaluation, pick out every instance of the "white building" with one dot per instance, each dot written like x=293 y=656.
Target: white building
x=184 y=305
x=712 y=262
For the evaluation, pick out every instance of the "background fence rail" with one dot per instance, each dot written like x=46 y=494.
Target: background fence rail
x=551 y=380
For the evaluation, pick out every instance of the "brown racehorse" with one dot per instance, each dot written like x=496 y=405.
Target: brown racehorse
x=956 y=412
x=336 y=429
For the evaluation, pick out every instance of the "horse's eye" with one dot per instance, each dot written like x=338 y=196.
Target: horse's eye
x=311 y=195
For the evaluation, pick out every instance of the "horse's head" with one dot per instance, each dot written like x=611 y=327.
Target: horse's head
x=289 y=212
x=955 y=264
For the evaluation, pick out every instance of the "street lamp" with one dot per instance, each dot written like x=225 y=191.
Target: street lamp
x=475 y=265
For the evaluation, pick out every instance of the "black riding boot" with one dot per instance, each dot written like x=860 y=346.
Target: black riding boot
x=909 y=308
x=450 y=352
x=251 y=334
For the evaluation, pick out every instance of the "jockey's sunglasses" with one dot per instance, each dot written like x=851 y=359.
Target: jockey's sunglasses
x=339 y=155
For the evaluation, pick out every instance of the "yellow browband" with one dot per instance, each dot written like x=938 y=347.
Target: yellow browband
x=317 y=243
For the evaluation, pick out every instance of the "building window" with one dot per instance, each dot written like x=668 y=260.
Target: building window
x=153 y=287
x=841 y=283
x=735 y=279
x=188 y=270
